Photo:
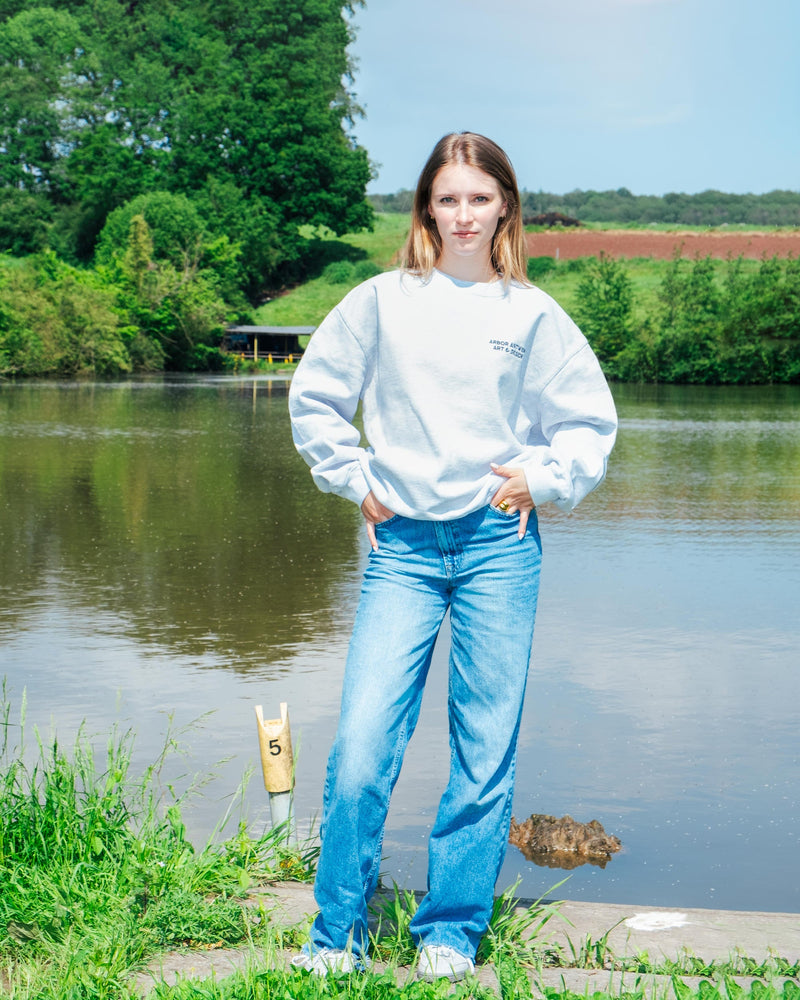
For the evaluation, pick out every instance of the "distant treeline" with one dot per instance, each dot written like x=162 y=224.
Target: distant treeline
x=708 y=208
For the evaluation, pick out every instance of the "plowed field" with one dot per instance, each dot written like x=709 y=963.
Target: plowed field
x=568 y=243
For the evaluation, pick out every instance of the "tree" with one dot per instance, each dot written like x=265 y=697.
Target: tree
x=605 y=307
x=169 y=298
x=104 y=101
x=176 y=229
x=45 y=91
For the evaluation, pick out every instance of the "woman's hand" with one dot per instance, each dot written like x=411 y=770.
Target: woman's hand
x=374 y=512
x=513 y=495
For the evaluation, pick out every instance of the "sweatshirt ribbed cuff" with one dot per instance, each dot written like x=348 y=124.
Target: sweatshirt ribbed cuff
x=544 y=487
x=356 y=488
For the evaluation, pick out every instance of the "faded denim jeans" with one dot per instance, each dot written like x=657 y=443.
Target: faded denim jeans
x=489 y=578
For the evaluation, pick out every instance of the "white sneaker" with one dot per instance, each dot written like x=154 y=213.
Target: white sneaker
x=439 y=961
x=321 y=961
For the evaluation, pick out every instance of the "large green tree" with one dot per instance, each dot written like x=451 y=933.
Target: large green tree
x=243 y=107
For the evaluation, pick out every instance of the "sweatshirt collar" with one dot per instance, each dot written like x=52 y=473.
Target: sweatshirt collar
x=495 y=289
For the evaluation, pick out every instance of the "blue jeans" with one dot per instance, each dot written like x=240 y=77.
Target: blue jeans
x=489 y=578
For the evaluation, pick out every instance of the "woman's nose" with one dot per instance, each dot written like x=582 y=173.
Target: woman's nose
x=464 y=211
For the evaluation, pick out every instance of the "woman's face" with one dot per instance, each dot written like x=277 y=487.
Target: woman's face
x=466 y=205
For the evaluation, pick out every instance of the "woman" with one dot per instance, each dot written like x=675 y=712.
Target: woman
x=481 y=401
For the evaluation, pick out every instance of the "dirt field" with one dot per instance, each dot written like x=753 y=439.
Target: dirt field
x=568 y=243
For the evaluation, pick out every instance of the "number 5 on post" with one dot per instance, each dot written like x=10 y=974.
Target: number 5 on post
x=277 y=764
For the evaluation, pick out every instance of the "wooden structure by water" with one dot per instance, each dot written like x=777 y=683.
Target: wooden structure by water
x=278 y=343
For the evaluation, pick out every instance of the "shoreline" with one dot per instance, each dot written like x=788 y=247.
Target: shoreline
x=663 y=933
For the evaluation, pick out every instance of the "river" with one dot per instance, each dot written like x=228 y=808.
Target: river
x=166 y=564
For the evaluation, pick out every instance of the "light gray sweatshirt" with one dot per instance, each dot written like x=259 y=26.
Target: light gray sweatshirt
x=452 y=376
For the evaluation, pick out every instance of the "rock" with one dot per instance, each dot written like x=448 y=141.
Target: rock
x=562 y=843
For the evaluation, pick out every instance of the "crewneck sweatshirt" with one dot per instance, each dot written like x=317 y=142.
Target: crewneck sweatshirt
x=452 y=376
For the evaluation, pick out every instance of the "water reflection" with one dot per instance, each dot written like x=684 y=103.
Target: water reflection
x=164 y=551
x=180 y=508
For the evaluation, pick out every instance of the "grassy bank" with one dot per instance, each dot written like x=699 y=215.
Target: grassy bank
x=309 y=303
x=99 y=875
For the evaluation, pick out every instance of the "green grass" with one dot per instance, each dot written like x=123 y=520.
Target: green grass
x=386 y=240
x=98 y=874
x=309 y=303
x=270 y=984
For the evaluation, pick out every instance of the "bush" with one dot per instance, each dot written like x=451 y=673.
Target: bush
x=175 y=225
x=345 y=272
x=180 y=309
x=59 y=321
x=740 y=326
x=340 y=272
x=605 y=307
x=365 y=269
x=689 y=322
x=24 y=221
x=538 y=267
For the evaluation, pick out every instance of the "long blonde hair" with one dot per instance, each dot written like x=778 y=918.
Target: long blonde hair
x=424 y=245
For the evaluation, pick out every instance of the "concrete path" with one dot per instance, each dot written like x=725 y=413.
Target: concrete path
x=711 y=935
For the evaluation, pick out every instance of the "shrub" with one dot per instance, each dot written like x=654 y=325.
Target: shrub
x=59 y=321
x=538 y=267
x=180 y=309
x=340 y=272
x=605 y=307
x=24 y=221
x=175 y=225
x=345 y=272
x=365 y=269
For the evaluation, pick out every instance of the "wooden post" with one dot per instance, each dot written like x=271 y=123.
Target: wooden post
x=255 y=348
x=277 y=765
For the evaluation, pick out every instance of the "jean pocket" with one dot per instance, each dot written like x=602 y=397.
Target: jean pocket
x=387 y=522
x=505 y=515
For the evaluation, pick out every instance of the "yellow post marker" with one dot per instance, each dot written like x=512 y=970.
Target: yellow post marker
x=255 y=348
x=277 y=764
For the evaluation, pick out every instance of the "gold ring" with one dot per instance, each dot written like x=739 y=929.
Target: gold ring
x=503 y=505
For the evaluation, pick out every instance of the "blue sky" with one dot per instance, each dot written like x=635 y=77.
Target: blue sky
x=652 y=95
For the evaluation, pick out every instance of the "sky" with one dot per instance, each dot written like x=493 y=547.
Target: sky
x=651 y=95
